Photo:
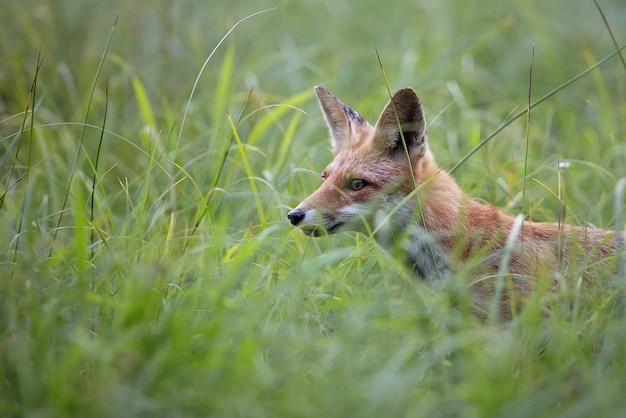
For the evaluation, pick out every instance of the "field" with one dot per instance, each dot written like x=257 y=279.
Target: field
x=149 y=152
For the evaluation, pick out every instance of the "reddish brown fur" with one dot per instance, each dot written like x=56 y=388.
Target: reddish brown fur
x=462 y=229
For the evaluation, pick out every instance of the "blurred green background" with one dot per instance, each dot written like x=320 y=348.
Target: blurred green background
x=148 y=269
x=469 y=62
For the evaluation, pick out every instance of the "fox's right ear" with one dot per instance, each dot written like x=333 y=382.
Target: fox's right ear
x=341 y=119
x=402 y=120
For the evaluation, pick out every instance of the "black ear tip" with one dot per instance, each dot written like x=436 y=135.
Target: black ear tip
x=321 y=90
x=407 y=93
x=408 y=90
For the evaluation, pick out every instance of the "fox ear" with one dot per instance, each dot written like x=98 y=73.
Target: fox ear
x=402 y=117
x=340 y=118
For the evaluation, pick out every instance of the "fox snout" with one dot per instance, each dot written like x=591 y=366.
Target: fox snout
x=313 y=222
x=296 y=216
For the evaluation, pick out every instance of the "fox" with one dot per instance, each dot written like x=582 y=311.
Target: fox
x=384 y=181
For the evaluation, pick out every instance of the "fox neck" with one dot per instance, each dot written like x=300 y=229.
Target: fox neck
x=425 y=228
x=439 y=198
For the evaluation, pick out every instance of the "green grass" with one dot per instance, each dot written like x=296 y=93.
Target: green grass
x=147 y=267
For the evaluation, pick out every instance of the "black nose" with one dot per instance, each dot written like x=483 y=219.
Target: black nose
x=296 y=216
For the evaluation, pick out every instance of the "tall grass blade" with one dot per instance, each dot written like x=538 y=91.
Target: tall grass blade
x=272 y=114
x=505 y=262
x=525 y=169
x=94 y=178
x=82 y=135
x=30 y=102
x=620 y=230
x=222 y=91
x=608 y=28
x=222 y=161
x=246 y=164
x=149 y=134
x=393 y=105
x=533 y=105
x=409 y=164
x=206 y=62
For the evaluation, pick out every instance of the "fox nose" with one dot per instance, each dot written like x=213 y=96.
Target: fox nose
x=296 y=216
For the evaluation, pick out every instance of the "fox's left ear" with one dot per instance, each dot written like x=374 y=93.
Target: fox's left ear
x=402 y=117
x=342 y=120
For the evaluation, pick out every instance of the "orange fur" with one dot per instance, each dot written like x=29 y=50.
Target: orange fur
x=375 y=167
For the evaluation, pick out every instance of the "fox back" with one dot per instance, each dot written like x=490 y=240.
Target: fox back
x=384 y=181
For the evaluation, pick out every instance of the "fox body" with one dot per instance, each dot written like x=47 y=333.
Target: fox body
x=384 y=181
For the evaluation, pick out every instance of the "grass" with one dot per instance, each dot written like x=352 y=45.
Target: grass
x=146 y=264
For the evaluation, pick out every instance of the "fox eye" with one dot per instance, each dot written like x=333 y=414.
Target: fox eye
x=357 y=184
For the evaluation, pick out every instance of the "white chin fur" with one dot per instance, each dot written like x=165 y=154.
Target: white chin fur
x=310 y=218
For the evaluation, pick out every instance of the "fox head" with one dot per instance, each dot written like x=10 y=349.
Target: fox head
x=373 y=169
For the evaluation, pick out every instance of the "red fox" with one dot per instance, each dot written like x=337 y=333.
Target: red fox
x=384 y=181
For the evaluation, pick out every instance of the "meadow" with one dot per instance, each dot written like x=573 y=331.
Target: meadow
x=149 y=152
